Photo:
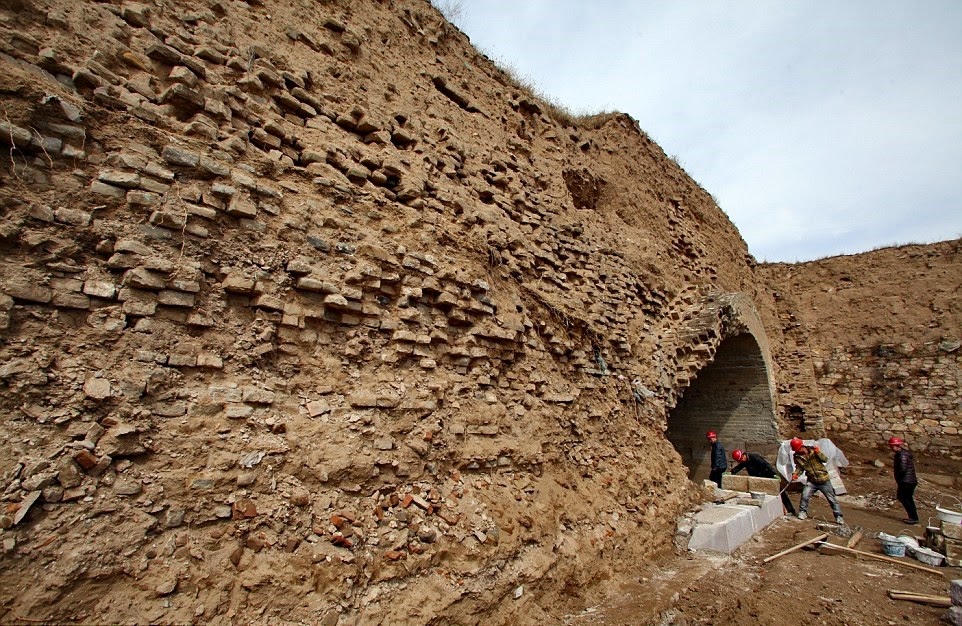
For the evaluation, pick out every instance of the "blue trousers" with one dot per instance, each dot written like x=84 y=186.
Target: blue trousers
x=827 y=490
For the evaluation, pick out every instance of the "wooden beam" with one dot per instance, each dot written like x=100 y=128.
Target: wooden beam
x=808 y=542
x=854 y=539
x=888 y=559
x=921 y=598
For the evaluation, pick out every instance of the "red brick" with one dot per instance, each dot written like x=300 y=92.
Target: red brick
x=244 y=508
x=85 y=459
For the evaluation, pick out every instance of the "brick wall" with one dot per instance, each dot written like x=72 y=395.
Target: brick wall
x=731 y=396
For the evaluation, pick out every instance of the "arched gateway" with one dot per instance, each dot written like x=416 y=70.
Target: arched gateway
x=731 y=394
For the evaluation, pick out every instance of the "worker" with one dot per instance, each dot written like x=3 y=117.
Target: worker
x=811 y=461
x=905 y=479
x=757 y=465
x=719 y=462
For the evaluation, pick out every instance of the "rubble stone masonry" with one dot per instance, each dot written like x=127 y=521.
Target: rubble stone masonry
x=870 y=345
x=895 y=390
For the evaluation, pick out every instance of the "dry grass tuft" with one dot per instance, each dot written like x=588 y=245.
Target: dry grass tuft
x=453 y=11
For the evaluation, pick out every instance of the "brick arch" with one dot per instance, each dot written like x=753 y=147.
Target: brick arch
x=732 y=393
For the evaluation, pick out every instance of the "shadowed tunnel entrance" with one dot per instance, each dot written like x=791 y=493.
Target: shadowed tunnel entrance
x=731 y=396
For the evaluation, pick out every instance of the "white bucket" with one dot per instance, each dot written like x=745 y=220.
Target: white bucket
x=948 y=515
x=929 y=557
x=891 y=546
x=911 y=543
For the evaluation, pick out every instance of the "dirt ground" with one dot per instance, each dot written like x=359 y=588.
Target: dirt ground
x=804 y=587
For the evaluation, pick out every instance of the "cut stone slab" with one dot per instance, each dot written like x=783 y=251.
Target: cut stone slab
x=734 y=482
x=722 y=528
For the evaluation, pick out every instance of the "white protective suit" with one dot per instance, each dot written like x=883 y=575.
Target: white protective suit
x=785 y=463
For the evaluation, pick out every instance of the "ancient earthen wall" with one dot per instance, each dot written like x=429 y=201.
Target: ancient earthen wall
x=871 y=345
x=310 y=315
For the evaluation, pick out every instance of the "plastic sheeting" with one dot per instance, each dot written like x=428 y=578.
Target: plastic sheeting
x=785 y=463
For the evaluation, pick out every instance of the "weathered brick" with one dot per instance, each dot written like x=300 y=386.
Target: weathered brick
x=165 y=219
x=238 y=283
x=70 y=300
x=23 y=288
x=181 y=359
x=131 y=245
x=178 y=156
x=143 y=198
x=119 y=178
x=268 y=302
x=308 y=283
x=168 y=297
x=242 y=207
x=141 y=278
x=317 y=407
x=104 y=189
x=139 y=308
x=238 y=411
x=256 y=395
x=212 y=361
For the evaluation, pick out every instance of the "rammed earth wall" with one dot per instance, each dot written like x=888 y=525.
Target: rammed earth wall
x=309 y=313
x=868 y=345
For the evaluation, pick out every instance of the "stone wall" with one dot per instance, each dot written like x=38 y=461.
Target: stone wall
x=913 y=392
x=869 y=345
x=309 y=313
x=732 y=396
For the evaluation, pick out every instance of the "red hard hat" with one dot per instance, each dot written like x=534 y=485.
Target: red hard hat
x=896 y=441
x=796 y=444
x=738 y=455
x=711 y=434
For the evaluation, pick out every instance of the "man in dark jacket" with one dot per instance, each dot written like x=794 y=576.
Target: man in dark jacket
x=757 y=465
x=719 y=462
x=905 y=479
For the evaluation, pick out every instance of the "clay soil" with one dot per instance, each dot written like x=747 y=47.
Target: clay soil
x=804 y=587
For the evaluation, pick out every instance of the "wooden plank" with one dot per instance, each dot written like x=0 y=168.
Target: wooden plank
x=808 y=542
x=854 y=539
x=921 y=598
x=888 y=560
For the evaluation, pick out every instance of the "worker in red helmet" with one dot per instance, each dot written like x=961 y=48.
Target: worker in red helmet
x=719 y=462
x=757 y=465
x=811 y=461
x=905 y=479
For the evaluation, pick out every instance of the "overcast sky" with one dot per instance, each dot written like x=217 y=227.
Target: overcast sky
x=821 y=127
